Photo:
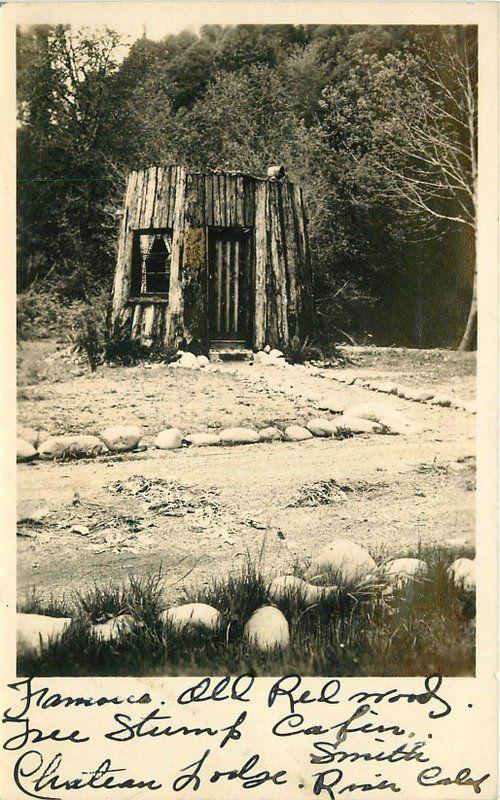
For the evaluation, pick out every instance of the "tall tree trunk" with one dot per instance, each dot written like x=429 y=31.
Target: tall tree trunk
x=469 y=339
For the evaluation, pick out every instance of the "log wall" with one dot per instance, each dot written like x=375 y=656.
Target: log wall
x=189 y=204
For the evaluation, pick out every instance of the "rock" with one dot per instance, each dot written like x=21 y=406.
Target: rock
x=200 y=616
x=267 y=629
x=270 y=434
x=333 y=404
x=463 y=574
x=418 y=395
x=70 y=447
x=85 y=447
x=296 y=433
x=322 y=427
x=443 y=400
x=35 y=629
x=113 y=627
x=261 y=358
x=385 y=415
x=384 y=386
x=202 y=439
x=347 y=561
x=33 y=436
x=401 y=570
x=188 y=360
x=120 y=438
x=274 y=354
x=25 y=451
x=289 y=585
x=202 y=361
x=170 y=439
x=239 y=436
x=267 y=349
x=358 y=425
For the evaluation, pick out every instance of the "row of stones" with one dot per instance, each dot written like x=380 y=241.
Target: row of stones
x=351 y=565
x=362 y=418
x=408 y=393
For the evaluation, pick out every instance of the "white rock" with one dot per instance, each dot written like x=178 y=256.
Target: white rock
x=267 y=629
x=239 y=436
x=170 y=439
x=119 y=438
x=270 y=434
x=384 y=386
x=463 y=573
x=386 y=415
x=332 y=403
x=267 y=349
x=113 y=627
x=322 y=427
x=71 y=447
x=34 y=437
x=296 y=433
x=401 y=570
x=189 y=361
x=25 y=451
x=358 y=425
x=202 y=439
x=444 y=400
x=32 y=629
x=418 y=395
x=193 y=615
x=202 y=361
x=289 y=585
x=276 y=354
x=347 y=561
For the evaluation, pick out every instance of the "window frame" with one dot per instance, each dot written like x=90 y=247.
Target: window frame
x=138 y=296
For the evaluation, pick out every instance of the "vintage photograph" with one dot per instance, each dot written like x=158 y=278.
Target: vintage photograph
x=246 y=349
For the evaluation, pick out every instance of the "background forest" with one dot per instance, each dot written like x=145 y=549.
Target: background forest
x=378 y=124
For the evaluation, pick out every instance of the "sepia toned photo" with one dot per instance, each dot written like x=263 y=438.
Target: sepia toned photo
x=247 y=321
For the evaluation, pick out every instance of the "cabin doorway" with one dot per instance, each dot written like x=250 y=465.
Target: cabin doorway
x=228 y=288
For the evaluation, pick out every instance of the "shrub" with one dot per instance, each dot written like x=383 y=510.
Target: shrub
x=87 y=329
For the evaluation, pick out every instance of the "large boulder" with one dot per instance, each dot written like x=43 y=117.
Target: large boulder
x=199 y=616
x=344 y=560
x=170 y=439
x=267 y=629
x=202 y=439
x=270 y=434
x=463 y=574
x=296 y=433
x=322 y=427
x=386 y=387
x=239 y=436
x=358 y=425
x=274 y=354
x=120 y=438
x=401 y=570
x=113 y=627
x=418 y=395
x=202 y=361
x=262 y=358
x=287 y=586
x=25 y=451
x=35 y=629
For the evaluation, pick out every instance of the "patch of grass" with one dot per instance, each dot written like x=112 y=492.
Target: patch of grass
x=427 y=626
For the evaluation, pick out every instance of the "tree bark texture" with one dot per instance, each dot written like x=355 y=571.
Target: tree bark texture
x=189 y=205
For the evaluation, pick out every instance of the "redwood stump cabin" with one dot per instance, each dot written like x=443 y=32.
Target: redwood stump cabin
x=212 y=261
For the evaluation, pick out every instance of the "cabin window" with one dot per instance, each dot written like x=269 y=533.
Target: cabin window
x=152 y=256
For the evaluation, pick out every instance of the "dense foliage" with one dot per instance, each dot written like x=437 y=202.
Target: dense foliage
x=340 y=106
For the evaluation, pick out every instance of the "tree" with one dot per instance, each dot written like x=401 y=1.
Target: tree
x=408 y=123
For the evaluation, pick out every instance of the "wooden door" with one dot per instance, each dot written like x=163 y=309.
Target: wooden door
x=228 y=286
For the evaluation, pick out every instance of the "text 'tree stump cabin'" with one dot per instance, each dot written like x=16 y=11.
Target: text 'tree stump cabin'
x=212 y=260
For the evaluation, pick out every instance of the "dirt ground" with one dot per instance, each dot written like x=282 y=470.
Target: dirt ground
x=200 y=511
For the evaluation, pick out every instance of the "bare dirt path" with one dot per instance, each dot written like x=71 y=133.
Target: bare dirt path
x=394 y=491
